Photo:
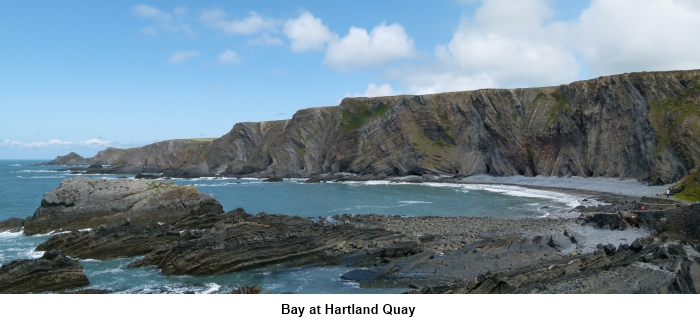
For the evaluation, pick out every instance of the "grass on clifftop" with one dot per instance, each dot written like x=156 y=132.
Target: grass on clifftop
x=690 y=185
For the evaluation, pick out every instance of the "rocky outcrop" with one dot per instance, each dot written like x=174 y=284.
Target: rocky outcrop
x=52 y=272
x=71 y=158
x=247 y=241
x=81 y=203
x=643 y=267
x=11 y=225
x=643 y=126
x=129 y=240
x=106 y=243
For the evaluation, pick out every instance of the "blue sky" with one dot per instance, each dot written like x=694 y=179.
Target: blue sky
x=84 y=75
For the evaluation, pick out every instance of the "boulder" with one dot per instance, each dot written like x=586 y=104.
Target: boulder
x=52 y=272
x=81 y=203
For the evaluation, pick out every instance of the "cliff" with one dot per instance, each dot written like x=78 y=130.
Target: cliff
x=644 y=126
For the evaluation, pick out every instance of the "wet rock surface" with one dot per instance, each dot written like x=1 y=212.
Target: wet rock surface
x=81 y=203
x=249 y=290
x=52 y=272
x=106 y=243
x=615 y=248
x=247 y=241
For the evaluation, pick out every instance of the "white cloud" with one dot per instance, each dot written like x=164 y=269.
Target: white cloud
x=54 y=143
x=95 y=142
x=639 y=35
x=361 y=49
x=146 y=11
x=181 y=56
x=375 y=91
x=307 y=33
x=517 y=44
x=229 y=57
x=505 y=44
x=253 y=24
x=171 y=22
x=265 y=40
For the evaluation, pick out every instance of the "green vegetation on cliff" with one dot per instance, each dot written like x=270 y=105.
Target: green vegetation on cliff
x=361 y=115
x=669 y=116
x=689 y=186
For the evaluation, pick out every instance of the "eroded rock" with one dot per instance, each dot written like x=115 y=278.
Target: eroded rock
x=52 y=272
x=81 y=203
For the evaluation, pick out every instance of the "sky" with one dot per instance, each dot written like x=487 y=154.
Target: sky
x=82 y=76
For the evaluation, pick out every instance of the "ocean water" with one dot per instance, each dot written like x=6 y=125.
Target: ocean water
x=22 y=187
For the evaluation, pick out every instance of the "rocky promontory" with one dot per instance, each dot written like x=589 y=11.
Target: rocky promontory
x=81 y=203
x=52 y=272
x=640 y=126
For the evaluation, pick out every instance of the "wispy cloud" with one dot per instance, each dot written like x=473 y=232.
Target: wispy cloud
x=181 y=56
x=266 y=40
x=252 y=24
x=54 y=143
x=172 y=22
x=229 y=57
x=96 y=142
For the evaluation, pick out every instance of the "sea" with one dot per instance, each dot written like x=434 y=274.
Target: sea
x=23 y=185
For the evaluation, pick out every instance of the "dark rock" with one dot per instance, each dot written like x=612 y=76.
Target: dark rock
x=71 y=158
x=248 y=241
x=612 y=221
x=362 y=274
x=559 y=242
x=52 y=272
x=12 y=225
x=112 y=242
x=147 y=176
x=273 y=179
x=247 y=290
x=609 y=249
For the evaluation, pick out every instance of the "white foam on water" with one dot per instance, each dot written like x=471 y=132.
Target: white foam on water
x=628 y=187
x=46 y=177
x=211 y=288
x=414 y=202
x=112 y=271
x=15 y=165
x=35 y=254
x=36 y=171
x=509 y=190
x=8 y=234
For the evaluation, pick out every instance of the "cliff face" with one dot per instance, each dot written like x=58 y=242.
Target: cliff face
x=183 y=155
x=644 y=126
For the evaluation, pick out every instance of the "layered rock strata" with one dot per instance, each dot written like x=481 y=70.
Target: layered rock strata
x=642 y=126
x=248 y=241
x=52 y=272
